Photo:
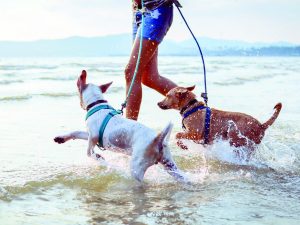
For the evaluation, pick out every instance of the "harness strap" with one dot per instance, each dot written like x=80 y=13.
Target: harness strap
x=193 y=110
x=103 y=126
x=207 y=120
x=96 y=109
x=105 y=121
x=207 y=125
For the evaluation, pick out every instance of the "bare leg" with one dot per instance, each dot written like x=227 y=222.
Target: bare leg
x=152 y=78
x=135 y=98
x=73 y=135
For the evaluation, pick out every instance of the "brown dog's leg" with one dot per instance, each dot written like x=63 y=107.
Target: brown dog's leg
x=184 y=135
x=181 y=145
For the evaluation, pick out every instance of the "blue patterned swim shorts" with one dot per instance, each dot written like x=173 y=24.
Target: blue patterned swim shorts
x=156 y=23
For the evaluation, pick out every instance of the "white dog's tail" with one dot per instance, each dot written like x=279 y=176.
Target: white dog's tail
x=163 y=138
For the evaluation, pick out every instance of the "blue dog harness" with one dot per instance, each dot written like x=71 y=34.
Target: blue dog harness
x=207 y=120
x=110 y=115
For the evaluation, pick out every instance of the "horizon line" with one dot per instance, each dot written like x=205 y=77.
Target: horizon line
x=166 y=39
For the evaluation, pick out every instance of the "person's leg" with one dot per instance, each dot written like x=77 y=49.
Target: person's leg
x=135 y=97
x=155 y=27
x=152 y=78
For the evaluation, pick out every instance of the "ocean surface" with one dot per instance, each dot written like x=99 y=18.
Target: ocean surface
x=42 y=182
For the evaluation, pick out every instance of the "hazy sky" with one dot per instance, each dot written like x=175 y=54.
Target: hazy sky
x=249 y=20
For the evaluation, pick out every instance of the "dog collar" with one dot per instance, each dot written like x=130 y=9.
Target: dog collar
x=95 y=103
x=207 y=120
x=192 y=102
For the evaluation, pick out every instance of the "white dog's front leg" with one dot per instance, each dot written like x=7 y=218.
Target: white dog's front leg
x=90 y=150
x=91 y=146
x=73 y=135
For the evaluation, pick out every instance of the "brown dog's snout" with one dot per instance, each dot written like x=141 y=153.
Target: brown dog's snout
x=162 y=105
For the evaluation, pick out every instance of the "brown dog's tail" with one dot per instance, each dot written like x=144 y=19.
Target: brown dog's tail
x=277 y=108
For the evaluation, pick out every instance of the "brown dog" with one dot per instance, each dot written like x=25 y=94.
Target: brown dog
x=238 y=128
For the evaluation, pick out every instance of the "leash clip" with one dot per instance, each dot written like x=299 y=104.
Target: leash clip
x=123 y=106
x=205 y=97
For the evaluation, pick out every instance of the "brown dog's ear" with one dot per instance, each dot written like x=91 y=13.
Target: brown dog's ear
x=181 y=92
x=191 y=88
x=104 y=87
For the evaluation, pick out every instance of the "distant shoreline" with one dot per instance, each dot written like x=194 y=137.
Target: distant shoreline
x=184 y=56
x=120 y=45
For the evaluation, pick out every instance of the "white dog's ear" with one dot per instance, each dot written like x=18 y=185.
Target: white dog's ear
x=81 y=82
x=104 y=87
x=191 y=88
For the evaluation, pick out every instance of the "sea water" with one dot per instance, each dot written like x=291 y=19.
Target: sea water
x=42 y=182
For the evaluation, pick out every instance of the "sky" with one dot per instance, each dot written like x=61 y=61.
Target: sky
x=247 y=20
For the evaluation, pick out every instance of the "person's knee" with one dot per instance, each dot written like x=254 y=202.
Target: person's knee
x=128 y=74
x=147 y=80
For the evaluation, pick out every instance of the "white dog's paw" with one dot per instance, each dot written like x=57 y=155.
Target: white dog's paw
x=60 y=139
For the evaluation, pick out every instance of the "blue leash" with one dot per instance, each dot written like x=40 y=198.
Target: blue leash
x=205 y=94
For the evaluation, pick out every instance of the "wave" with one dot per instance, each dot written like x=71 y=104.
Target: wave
x=81 y=65
x=90 y=178
x=110 y=71
x=58 y=95
x=9 y=75
x=15 y=98
x=279 y=151
x=27 y=97
x=243 y=80
x=7 y=82
x=58 y=78
x=26 y=67
x=52 y=95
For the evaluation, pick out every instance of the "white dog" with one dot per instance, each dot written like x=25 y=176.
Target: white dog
x=121 y=134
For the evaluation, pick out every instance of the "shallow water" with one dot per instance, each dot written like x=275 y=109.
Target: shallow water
x=45 y=183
